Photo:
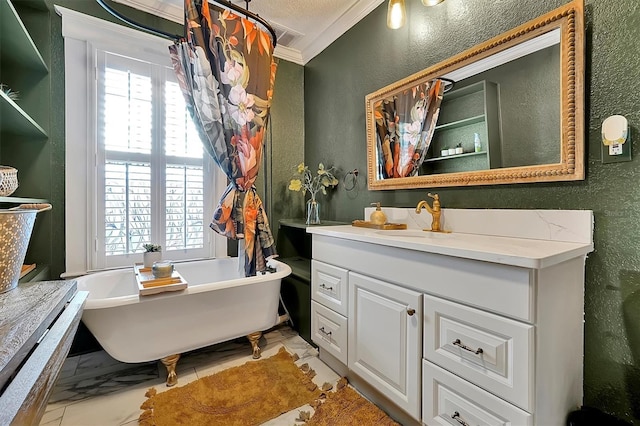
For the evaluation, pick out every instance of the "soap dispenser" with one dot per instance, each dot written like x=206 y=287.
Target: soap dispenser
x=378 y=217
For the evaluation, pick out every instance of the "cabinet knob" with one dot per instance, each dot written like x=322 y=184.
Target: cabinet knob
x=411 y=311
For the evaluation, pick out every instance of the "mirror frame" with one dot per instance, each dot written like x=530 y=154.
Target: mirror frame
x=570 y=20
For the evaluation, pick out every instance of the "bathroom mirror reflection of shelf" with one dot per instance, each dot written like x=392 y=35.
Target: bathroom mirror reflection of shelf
x=449 y=157
x=461 y=123
x=469 y=116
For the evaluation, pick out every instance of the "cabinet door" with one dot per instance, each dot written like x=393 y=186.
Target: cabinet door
x=384 y=348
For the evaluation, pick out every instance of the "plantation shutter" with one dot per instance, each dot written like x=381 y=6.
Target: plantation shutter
x=152 y=182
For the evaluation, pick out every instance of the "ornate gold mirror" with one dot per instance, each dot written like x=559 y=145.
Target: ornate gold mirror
x=514 y=114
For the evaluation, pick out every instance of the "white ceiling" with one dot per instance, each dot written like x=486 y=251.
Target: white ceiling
x=304 y=27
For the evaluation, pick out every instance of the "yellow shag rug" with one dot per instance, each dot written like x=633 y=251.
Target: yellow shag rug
x=345 y=407
x=256 y=392
x=246 y=395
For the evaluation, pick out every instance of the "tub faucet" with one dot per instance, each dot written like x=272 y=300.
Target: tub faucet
x=435 y=211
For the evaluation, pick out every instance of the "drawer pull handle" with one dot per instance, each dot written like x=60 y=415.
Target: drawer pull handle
x=457 y=342
x=411 y=311
x=326 y=333
x=325 y=287
x=456 y=417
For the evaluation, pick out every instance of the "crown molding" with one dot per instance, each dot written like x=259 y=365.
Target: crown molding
x=288 y=54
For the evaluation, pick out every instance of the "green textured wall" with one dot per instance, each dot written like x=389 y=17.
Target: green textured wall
x=286 y=142
x=369 y=56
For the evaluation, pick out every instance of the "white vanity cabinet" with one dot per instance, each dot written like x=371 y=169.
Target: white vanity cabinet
x=385 y=331
x=459 y=329
x=384 y=328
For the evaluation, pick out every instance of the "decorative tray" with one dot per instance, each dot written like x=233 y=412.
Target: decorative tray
x=148 y=284
x=367 y=224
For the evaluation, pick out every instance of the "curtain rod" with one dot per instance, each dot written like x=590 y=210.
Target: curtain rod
x=448 y=83
x=138 y=25
x=175 y=37
x=248 y=14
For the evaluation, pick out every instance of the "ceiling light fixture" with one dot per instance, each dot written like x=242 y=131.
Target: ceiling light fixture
x=397 y=14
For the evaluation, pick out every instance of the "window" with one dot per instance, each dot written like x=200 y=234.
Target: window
x=149 y=161
x=143 y=176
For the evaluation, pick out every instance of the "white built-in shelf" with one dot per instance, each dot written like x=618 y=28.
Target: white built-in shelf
x=449 y=157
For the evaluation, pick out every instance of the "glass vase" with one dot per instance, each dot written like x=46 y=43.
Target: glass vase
x=313 y=212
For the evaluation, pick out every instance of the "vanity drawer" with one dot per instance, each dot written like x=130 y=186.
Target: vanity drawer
x=491 y=351
x=329 y=286
x=329 y=331
x=447 y=399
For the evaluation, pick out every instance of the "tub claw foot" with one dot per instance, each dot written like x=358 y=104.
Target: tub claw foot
x=170 y=362
x=254 y=338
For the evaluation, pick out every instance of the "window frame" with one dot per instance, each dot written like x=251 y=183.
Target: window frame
x=83 y=36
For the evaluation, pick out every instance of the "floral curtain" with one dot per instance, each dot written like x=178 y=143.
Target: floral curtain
x=226 y=72
x=404 y=128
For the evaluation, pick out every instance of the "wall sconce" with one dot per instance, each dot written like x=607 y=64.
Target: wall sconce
x=397 y=14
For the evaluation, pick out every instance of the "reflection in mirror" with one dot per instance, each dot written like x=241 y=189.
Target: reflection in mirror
x=514 y=115
x=500 y=105
x=405 y=124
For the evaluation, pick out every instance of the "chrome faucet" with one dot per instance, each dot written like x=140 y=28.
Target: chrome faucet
x=435 y=211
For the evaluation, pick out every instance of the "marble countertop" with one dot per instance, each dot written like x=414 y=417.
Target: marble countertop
x=523 y=252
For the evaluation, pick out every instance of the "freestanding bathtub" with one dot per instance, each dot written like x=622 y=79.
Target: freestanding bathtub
x=219 y=304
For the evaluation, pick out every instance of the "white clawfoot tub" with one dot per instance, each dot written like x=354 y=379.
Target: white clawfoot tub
x=218 y=305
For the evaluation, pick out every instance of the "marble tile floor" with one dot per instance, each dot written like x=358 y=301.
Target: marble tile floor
x=96 y=390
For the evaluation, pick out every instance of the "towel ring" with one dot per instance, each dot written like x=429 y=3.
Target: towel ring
x=350 y=180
